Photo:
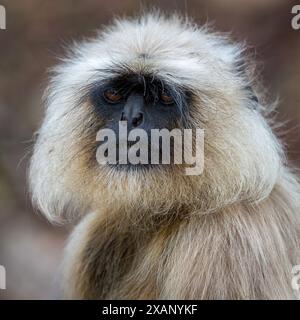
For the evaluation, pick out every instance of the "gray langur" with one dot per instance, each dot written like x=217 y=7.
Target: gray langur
x=154 y=233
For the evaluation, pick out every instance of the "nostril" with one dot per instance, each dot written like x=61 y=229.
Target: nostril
x=123 y=117
x=136 y=121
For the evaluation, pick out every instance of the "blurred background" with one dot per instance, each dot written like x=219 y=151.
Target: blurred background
x=30 y=248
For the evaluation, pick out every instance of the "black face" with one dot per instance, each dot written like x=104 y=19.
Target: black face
x=143 y=101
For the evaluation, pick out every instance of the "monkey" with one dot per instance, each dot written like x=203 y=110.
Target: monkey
x=151 y=232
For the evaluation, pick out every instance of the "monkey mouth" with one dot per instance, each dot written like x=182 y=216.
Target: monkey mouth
x=141 y=149
x=148 y=161
x=138 y=152
x=140 y=167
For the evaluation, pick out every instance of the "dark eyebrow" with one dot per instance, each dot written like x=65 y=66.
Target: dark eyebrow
x=150 y=84
x=132 y=80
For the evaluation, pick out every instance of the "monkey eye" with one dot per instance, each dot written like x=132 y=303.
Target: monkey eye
x=166 y=98
x=112 y=96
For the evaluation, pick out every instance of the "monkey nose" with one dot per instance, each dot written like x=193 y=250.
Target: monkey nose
x=133 y=120
x=137 y=120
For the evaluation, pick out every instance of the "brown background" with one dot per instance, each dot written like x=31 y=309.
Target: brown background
x=30 y=248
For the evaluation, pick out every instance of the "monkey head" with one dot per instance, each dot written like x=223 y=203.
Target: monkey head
x=153 y=72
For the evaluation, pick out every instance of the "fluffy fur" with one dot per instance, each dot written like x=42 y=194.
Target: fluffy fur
x=232 y=232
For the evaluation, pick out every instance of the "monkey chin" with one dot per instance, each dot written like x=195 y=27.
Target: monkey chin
x=142 y=191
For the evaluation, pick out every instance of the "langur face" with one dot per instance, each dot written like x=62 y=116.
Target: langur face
x=144 y=102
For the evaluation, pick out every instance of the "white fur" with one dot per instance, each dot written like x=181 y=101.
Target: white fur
x=245 y=170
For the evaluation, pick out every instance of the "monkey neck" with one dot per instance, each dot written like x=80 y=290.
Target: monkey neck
x=125 y=218
x=114 y=254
